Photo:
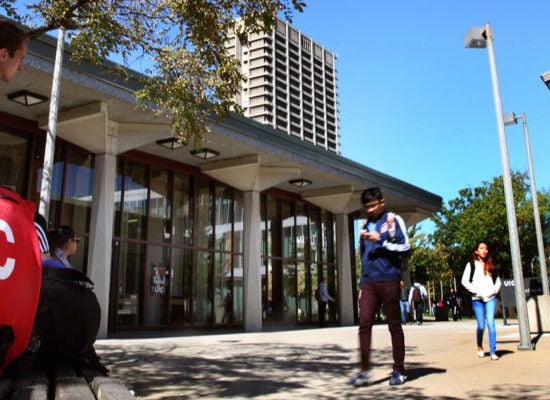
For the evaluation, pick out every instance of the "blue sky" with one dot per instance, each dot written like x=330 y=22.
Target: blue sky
x=417 y=105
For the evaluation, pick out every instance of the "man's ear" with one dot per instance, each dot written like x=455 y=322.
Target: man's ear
x=4 y=55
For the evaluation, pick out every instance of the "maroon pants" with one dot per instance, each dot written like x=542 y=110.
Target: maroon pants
x=374 y=294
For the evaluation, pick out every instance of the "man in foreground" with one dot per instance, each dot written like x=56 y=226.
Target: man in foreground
x=383 y=241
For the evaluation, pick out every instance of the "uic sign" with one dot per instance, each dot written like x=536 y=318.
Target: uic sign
x=533 y=287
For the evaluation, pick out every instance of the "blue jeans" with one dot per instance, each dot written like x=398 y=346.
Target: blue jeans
x=405 y=311
x=485 y=315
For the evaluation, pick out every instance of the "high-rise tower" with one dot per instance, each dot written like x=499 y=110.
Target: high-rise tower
x=291 y=84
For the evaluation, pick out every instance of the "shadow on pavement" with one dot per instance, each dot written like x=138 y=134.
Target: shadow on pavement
x=420 y=372
x=172 y=370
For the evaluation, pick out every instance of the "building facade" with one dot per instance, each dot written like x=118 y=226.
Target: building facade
x=291 y=85
x=173 y=239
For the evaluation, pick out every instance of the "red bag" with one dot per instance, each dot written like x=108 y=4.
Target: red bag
x=20 y=274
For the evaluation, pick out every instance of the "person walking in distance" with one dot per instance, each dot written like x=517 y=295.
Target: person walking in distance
x=227 y=304
x=404 y=302
x=324 y=298
x=481 y=279
x=416 y=299
x=383 y=242
x=453 y=302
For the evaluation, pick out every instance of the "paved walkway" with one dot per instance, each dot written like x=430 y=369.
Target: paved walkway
x=316 y=364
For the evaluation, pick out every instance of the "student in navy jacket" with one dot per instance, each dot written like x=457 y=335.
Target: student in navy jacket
x=384 y=241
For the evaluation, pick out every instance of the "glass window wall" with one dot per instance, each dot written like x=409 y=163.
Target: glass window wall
x=130 y=283
x=14 y=150
x=294 y=238
x=178 y=250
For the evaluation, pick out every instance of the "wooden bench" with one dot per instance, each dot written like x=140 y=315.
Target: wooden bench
x=65 y=383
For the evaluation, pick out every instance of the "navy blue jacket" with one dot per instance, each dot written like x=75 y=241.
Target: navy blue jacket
x=381 y=260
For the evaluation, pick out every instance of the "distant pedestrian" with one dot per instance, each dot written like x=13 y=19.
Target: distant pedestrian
x=481 y=279
x=384 y=241
x=416 y=299
x=404 y=302
x=324 y=298
x=227 y=305
x=454 y=305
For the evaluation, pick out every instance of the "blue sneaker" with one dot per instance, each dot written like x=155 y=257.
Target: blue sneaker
x=397 y=378
x=362 y=378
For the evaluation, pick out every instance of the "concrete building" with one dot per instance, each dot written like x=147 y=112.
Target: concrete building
x=291 y=86
x=238 y=234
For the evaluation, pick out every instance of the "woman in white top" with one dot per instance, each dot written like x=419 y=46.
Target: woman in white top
x=484 y=284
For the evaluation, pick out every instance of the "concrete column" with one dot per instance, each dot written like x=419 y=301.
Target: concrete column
x=101 y=233
x=538 y=309
x=252 y=261
x=345 y=297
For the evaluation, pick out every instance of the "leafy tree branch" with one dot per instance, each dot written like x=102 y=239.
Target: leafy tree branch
x=188 y=75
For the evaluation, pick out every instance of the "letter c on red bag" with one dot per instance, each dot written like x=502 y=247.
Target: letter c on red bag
x=7 y=269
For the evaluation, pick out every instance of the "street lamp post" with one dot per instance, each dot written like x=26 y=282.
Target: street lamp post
x=478 y=37
x=509 y=119
x=47 y=170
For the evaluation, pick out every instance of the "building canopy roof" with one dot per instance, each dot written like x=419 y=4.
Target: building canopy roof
x=98 y=112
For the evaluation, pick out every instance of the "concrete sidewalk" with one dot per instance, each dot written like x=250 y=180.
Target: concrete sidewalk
x=441 y=363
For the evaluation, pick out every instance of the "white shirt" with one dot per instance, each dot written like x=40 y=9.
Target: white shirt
x=482 y=286
x=423 y=291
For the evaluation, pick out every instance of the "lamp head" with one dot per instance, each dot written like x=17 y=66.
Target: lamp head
x=301 y=182
x=546 y=79
x=204 y=153
x=509 y=118
x=475 y=38
x=171 y=143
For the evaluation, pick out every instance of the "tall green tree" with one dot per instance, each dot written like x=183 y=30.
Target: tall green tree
x=479 y=214
x=428 y=262
x=188 y=75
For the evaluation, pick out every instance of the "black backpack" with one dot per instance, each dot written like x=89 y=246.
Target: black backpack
x=68 y=316
x=66 y=324
x=417 y=295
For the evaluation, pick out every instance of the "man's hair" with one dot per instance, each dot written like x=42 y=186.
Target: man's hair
x=59 y=237
x=11 y=37
x=371 y=194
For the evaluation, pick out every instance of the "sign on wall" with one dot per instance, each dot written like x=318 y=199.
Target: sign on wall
x=533 y=287
x=158 y=279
